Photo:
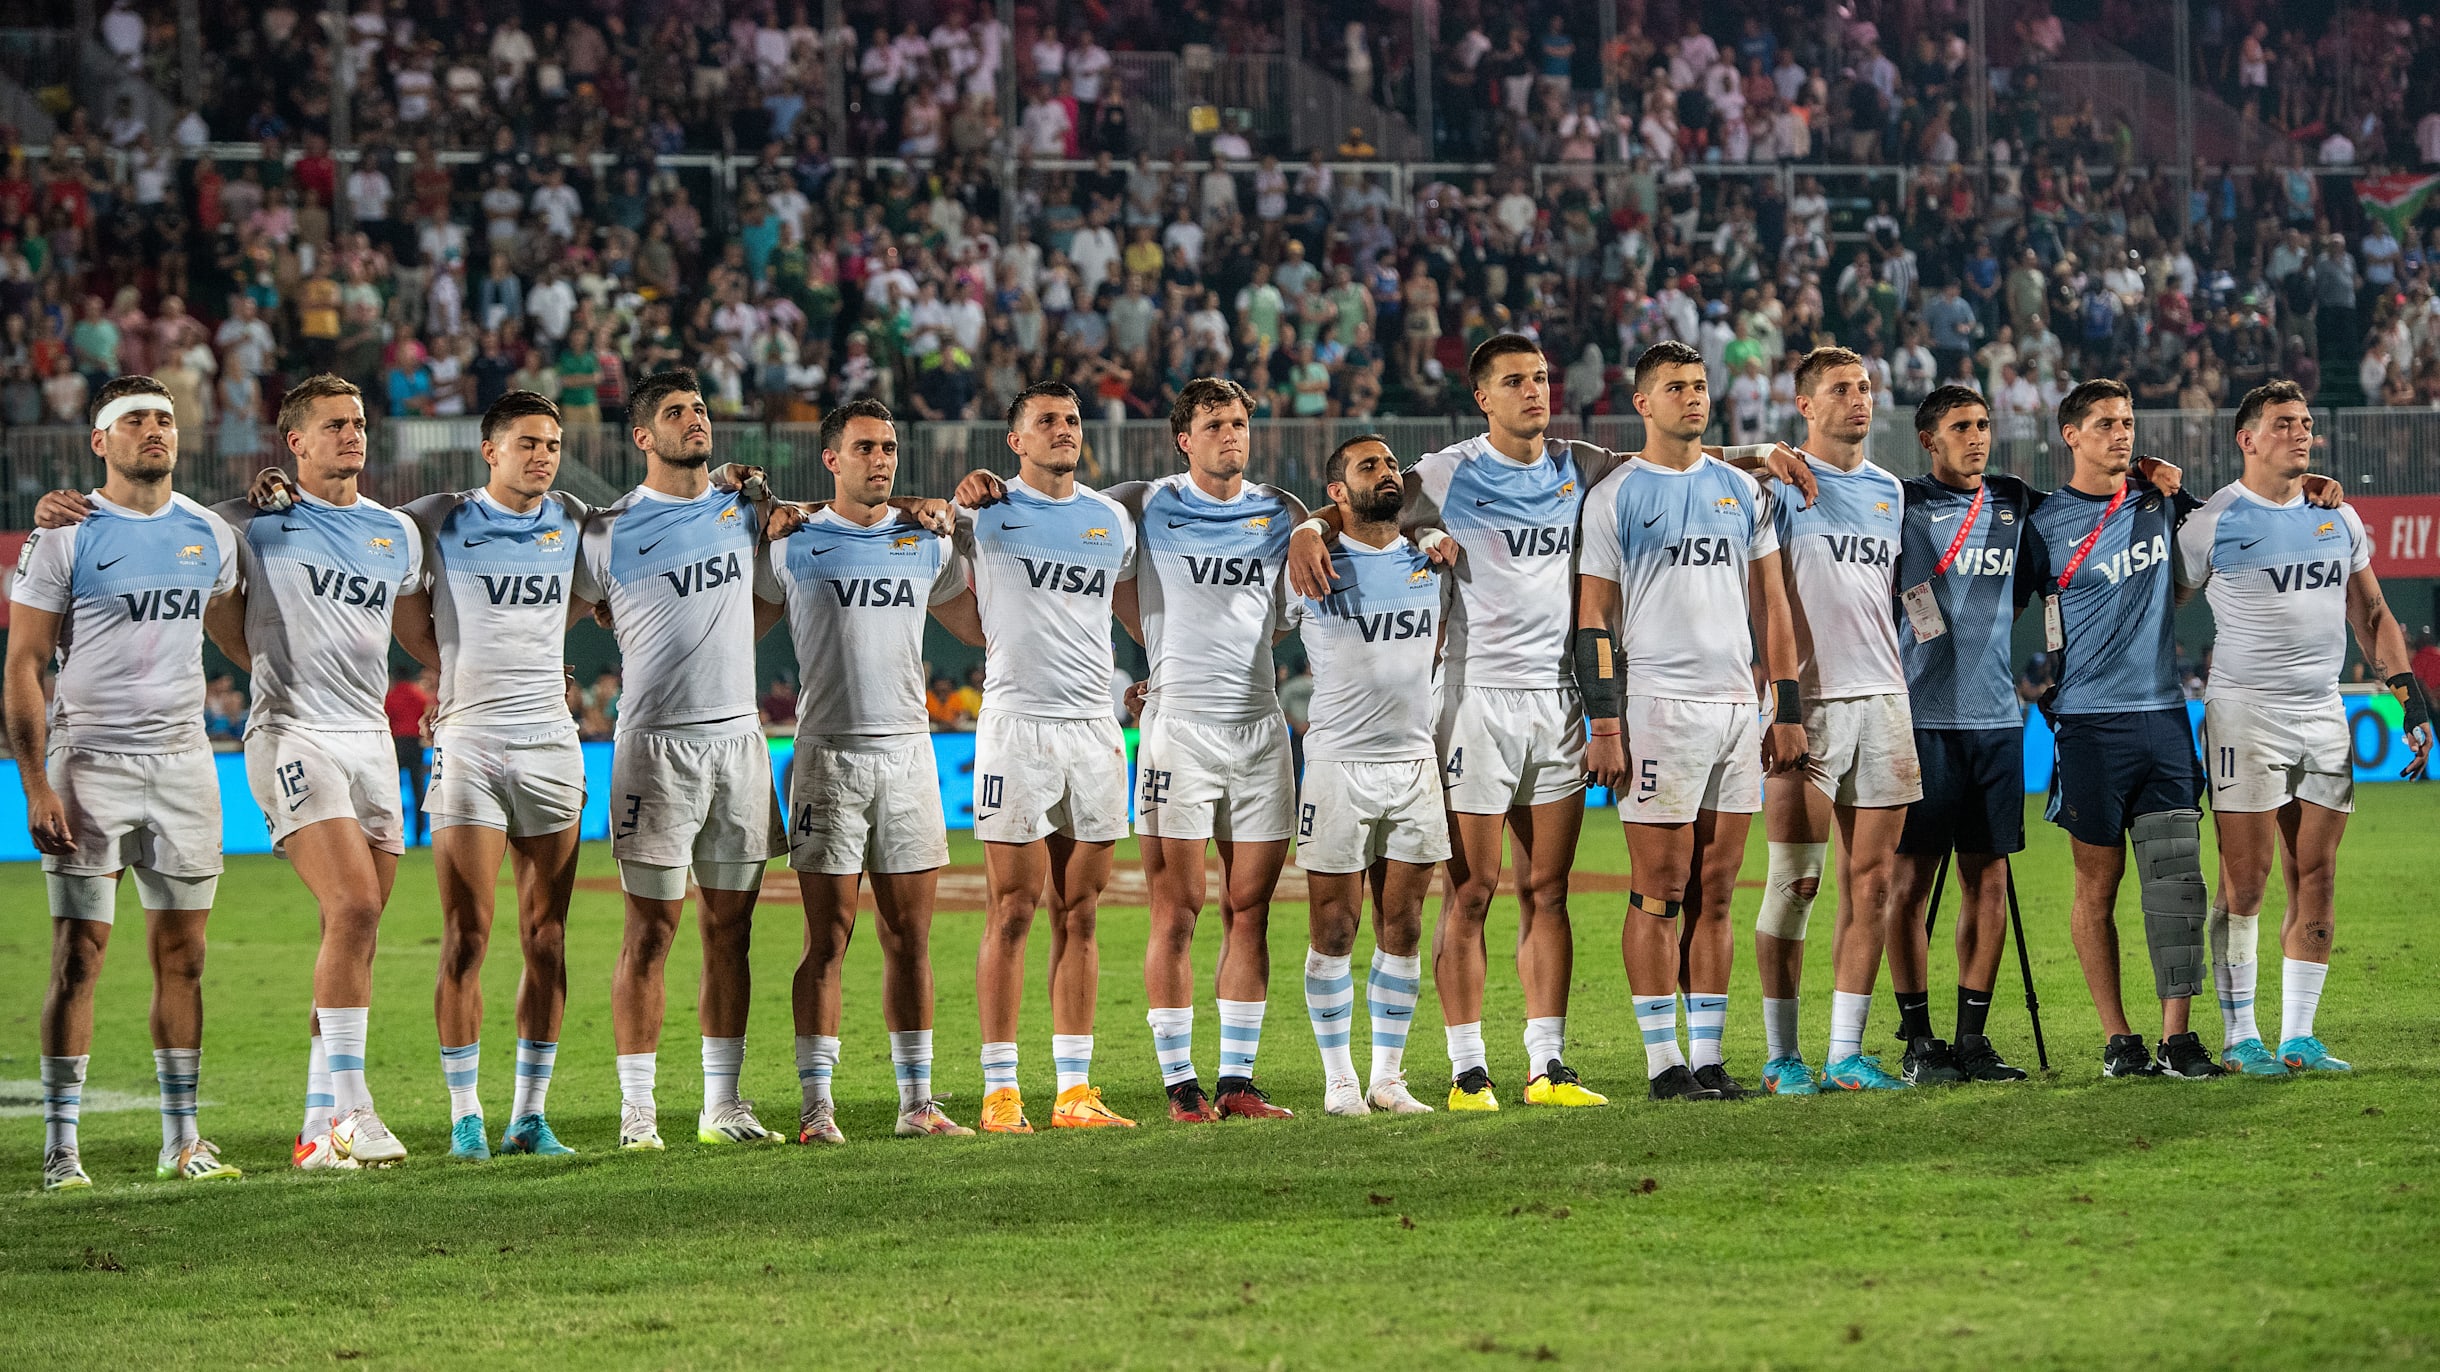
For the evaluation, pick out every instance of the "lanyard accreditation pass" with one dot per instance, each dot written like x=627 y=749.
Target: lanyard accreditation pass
x=2054 y=630
x=1922 y=610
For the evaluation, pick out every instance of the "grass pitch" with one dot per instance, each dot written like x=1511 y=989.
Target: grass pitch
x=2064 y=1222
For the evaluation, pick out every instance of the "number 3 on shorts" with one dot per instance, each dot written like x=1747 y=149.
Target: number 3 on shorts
x=1647 y=778
x=635 y=810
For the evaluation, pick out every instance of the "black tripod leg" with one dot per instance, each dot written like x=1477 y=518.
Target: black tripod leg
x=2024 y=967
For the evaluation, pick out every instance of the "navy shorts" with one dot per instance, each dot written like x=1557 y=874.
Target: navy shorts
x=2115 y=767
x=1973 y=793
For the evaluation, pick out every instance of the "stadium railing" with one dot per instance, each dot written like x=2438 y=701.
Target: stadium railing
x=2374 y=451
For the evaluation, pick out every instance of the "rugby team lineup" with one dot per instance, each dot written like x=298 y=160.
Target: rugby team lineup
x=1710 y=634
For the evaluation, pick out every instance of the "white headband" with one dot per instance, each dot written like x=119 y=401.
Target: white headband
x=126 y=405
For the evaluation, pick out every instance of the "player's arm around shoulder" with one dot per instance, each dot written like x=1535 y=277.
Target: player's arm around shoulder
x=1292 y=514
x=2195 y=537
x=224 y=615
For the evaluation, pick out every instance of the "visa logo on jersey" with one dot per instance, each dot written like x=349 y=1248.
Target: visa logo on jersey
x=2302 y=576
x=2135 y=557
x=1066 y=576
x=873 y=593
x=158 y=605
x=1393 y=626
x=1226 y=571
x=1699 y=552
x=1556 y=539
x=1984 y=562
x=347 y=588
x=709 y=574
x=1858 y=549
x=524 y=590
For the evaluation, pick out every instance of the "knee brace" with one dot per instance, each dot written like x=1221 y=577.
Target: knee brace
x=1785 y=909
x=157 y=891
x=75 y=897
x=648 y=882
x=729 y=876
x=2176 y=902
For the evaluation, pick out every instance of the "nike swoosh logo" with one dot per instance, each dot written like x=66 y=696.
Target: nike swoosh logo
x=1641 y=799
x=475 y=542
x=646 y=550
x=1652 y=521
x=1011 y=528
x=1180 y=523
x=292 y=528
x=2249 y=543
x=1943 y=519
x=106 y=566
x=292 y=805
x=1481 y=503
x=817 y=552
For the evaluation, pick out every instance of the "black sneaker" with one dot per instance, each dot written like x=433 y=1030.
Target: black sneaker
x=2183 y=1055
x=1979 y=1061
x=1679 y=1084
x=2126 y=1056
x=1712 y=1077
x=1188 y=1104
x=1928 y=1062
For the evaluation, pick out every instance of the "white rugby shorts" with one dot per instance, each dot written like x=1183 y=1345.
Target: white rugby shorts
x=1686 y=756
x=1354 y=812
x=1501 y=748
x=677 y=800
x=1864 y=748
x=523 y=784
x=304 y=776
x=2260 y=757
x=1033 y=776
x=1196 y=779
x=157 y=811
x=865 y=803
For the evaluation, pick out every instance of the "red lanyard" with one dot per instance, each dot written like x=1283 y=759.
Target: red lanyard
x=2089 y=539
x=1973 y=512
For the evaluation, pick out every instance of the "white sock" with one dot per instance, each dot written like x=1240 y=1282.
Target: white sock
x=1545 y=1039
x=911 y=1061
x=2299 y=996
x=999 y=1067
x=1847 y=1014
x=636 y=1073
x=1706 y=1021
x=1330 y=1006
x=817 y=1056
x=317 y=1091
x=1241 y=1033
x=1465 y=1048
x=723 y=1060
x=343 y=1035
x=1779 y=1028
x=1173 y=1041
x=1657 y=1018
x=63 y=1100
x=1072 y=1059
x=1389 y=993
x=535 y=1059
x=2234 y=939
x=177 y=1070
x=459 y=1068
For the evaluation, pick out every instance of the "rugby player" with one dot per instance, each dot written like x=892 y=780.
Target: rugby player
x=1681 y=575
x=1838 y=553
x=117 y=773
x=864 y=793
x=2097 y=551
x=2283 y=578
x=676 y=562
x=1050 y=769
x=1371 y=810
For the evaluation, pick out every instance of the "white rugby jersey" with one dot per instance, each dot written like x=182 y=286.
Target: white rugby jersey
x=1678 y=544
x=130 y=589
x=1512 y=613
x=500 y=584
x=1209 y=586
x=1369 y=644
x=321 y=582
x=681 y=577
x=1842 y=557
x=857 y=599
x=2276 y=577
x=1044 y=571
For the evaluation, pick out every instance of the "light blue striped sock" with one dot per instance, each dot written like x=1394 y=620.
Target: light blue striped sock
x=1072 y=1058
x=999 y=1067
x=535 y=1059
x=1706 y=1019
x=1330 y=1003
x=817 y=1056
x=1390 y=993
x=1241 y=1034
x=459 y=1069
x=63 y=1100
x=344 y=1032
x=177 y=1070
x=911 y=1060
x=1657 y=1018
x=1173 y=1041
x=317 y=1091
